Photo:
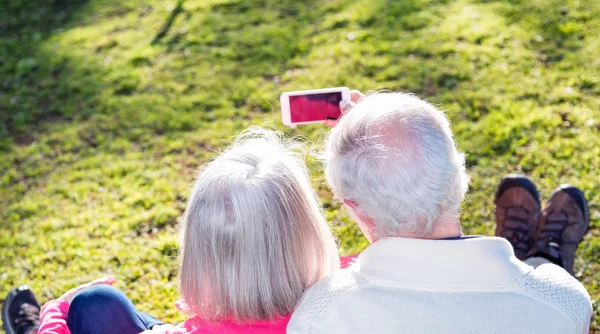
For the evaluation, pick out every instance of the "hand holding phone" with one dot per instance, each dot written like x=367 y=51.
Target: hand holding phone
x=345 y=106
x=313 y=106
x=307 y=108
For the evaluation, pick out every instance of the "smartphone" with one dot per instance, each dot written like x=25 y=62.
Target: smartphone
x=312 y=106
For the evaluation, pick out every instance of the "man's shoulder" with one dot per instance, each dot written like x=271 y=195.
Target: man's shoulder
x=552 y=284
x=327 y=293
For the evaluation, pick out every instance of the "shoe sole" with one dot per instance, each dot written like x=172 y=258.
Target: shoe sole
x=5 y=320
x=517 y=180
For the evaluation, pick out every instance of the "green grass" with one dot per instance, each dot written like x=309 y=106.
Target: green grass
x=108 y=107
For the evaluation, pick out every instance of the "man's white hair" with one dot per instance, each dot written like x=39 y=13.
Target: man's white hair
x=394 y=156
x=254 y=237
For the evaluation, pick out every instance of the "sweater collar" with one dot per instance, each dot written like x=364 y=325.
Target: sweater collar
x=466 y=263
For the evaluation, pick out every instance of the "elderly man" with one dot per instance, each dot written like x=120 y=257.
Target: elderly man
x=394 y=164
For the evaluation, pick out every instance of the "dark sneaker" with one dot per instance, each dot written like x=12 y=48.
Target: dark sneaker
x=517 y=212
x=565 y=220
x=21 y=311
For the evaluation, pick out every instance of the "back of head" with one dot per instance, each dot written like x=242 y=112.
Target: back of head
x=254 y=237
x=394 y=156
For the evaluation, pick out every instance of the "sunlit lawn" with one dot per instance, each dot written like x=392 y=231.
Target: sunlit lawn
x=108 y=107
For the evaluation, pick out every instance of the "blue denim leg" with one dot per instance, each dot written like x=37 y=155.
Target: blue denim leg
x=102 y=309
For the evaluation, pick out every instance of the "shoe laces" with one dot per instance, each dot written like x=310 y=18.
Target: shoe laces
x=517 y=228
x=554 y=227
x=549 y=239
x=27 y=318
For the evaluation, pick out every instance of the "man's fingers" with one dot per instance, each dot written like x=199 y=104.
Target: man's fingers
x=345 y=106
x=356 y=96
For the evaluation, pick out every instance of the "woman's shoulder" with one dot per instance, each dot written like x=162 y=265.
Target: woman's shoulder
x=196 y=325
x=347 y=261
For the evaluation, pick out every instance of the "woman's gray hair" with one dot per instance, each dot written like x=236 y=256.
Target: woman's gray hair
x=394 y=156
x=254 y=237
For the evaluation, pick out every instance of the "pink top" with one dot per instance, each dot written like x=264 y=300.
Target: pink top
x=53 y=320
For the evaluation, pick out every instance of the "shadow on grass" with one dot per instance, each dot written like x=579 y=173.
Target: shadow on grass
x=37 y=86
x=34 y=85
x=164 y=30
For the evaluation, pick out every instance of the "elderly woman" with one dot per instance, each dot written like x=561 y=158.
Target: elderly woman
x=253 y=240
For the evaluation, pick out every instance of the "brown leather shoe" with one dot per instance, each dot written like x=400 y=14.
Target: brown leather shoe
x=565 y=220
x=517 y=212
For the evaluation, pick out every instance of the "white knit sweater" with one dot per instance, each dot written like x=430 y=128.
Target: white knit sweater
x=472 y=285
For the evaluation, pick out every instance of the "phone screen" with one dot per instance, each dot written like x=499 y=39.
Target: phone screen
x=315 y=107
